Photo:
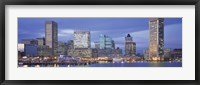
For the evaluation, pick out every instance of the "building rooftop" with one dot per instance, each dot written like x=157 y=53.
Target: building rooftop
x=128 y=35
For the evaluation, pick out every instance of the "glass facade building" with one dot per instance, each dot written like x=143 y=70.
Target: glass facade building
x=30 y=50
x=106 y=42
x=156 y=38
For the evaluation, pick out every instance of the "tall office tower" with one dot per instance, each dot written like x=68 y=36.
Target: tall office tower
x=82 y=39
x=156 y=38
x=106 y=42
x=51 y=36
x=130 y=46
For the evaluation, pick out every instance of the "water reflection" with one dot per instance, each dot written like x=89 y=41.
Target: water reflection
x=117 y=64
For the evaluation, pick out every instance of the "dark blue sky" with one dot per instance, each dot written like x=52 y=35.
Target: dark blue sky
x=116 y=28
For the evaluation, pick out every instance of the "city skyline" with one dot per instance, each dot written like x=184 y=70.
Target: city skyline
x=29 y=28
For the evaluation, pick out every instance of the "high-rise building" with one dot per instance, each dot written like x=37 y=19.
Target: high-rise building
x=40 y=41
x=106 y=42
x=156 y=38
x=51 y=36
x=130 y=46
x=82 y=39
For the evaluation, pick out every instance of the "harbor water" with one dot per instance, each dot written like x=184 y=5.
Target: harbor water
x=118 y=64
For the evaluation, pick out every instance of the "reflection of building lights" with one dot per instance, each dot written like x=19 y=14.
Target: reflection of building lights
x=156 y=58
x=24 y=57
x=102 y=58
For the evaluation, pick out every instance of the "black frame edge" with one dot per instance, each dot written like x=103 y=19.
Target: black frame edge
x=2 y=41
x=197 y=27
x=102 y=2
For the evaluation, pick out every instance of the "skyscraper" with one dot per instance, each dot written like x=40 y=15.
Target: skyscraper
x=156 y=38
x=82 y=39
x=51 y=36
x=106 y=42
x=130 y=46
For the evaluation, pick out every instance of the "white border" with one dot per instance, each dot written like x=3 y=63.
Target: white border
x=187 y=72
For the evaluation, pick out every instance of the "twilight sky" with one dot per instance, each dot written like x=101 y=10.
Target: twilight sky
x=116 y=28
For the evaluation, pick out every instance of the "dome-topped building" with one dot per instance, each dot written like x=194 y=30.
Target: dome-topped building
x=130 y=46
x=128 y=35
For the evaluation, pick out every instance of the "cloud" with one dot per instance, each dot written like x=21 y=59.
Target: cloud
x=120 y=45
x=24 y=31
x=67 y=31
x=140 y=34
x=61 y=35
x=40 y=34
x=119 y=39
